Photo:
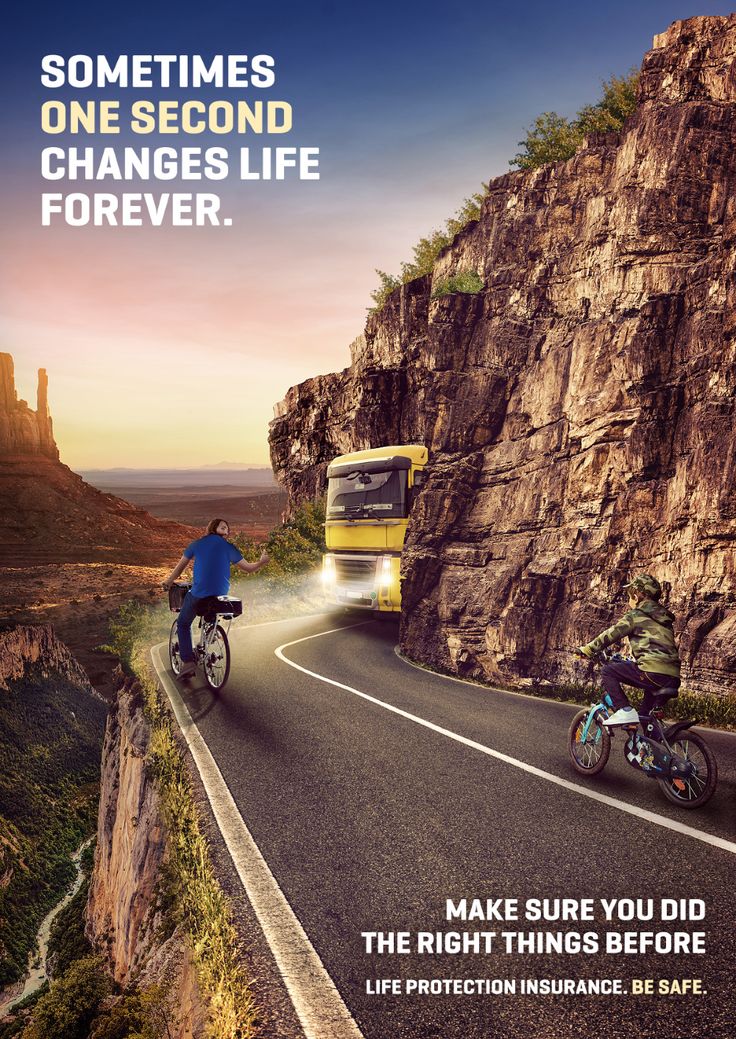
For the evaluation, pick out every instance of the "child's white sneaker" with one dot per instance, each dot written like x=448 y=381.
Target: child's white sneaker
x=623 y=716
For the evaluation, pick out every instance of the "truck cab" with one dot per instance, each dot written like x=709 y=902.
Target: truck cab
x=369 y=497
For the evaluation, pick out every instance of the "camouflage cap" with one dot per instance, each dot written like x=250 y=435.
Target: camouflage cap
x=647 y=584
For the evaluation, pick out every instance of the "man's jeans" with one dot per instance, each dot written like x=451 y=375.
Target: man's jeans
x=614 y=672
x=187 y=613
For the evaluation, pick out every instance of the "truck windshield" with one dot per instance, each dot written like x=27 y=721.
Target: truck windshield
x=367 y=495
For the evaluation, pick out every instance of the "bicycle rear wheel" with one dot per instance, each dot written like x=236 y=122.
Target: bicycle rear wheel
x=589 y=755
x=216 y=658
x=174 y=654
x=697 y=787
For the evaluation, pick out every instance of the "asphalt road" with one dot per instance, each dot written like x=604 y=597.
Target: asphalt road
x=371 y=821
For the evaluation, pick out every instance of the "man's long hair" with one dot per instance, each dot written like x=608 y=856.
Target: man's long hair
x=214 y=524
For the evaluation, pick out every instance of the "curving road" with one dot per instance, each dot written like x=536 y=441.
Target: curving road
x=358 y=794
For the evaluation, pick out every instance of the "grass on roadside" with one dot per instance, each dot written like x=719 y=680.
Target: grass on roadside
x=193 y=893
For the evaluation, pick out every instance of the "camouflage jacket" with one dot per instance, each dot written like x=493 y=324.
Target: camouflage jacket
x=648 y=628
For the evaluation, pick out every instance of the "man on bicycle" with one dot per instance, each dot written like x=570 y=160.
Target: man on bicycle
x=656 y=664
x=213 y=556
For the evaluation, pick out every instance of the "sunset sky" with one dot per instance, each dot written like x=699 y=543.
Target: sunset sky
x=169 y=346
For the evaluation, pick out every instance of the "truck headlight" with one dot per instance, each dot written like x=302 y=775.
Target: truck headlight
x=385 y=575
x=329 y=575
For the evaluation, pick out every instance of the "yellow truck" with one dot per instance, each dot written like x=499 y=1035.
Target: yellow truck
x=369 y=496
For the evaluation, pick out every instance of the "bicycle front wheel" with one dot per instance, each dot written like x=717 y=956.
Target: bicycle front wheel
x=216 y=659
x=588 y=754
x=697 y=785
x=174 y=654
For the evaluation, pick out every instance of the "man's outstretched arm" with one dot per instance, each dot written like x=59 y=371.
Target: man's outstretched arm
x=250 y=568
x=176 y=572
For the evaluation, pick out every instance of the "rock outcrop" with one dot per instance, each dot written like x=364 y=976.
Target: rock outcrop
x=124 y=908
x=23 y=431
x=35 y=647
x=48 y=513
x=580 y=409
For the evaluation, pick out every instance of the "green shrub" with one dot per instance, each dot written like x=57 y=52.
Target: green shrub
x=140 y=1014
x=134 y=624
x=294 y=548
x=553 y=138
x=387 y=285
x=427 y=250
x=469 y=282
x=70 y=1005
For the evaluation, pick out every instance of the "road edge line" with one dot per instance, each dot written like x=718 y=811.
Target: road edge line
x=527 y=696
x=320 y=1008
x=612 y=802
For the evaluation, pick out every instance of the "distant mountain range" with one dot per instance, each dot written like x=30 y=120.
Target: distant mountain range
x=206 y=476
x=183 y=469
x=235 y=465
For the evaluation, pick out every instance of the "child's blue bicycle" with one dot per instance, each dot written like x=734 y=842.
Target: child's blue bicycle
x=681 y=761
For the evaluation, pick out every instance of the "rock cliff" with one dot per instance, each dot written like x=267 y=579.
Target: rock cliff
x=48 y=513
x=35 y=648
x=22 y=431
x=580 y=409
x=126 y=896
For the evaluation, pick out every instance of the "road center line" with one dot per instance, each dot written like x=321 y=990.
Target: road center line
x=318 y=1005
x=594 y=795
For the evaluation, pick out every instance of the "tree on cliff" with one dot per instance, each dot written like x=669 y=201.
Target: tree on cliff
x=553 y=138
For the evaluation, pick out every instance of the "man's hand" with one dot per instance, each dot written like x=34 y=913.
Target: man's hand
x=176 y=572
x=251 y=568
x=583 y=652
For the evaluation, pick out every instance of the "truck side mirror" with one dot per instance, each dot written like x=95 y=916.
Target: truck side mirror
x=420 y=478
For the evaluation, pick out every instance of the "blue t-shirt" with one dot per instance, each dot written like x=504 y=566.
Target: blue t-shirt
x=213 y=557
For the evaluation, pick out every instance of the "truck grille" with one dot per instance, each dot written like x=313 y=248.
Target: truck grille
x=353 y=570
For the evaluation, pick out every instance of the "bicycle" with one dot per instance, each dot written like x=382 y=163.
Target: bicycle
x=212 y=648
x=681 y=761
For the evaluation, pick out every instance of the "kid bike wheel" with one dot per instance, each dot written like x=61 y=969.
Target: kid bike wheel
x=174 y=654
x=697 y=787
x=216 y=658
x=589 y=755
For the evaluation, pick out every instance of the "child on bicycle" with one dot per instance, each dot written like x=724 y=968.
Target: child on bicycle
x=213 y=556
x=656 y=664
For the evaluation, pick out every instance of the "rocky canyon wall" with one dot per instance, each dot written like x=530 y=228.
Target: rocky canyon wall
x=580 y=409
x=35 y=648
x=127 y=899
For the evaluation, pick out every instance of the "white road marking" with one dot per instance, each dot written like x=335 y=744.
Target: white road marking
x=318 y=1005
x=594 y=795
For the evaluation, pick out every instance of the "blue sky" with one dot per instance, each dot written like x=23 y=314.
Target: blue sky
x=412 y=105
